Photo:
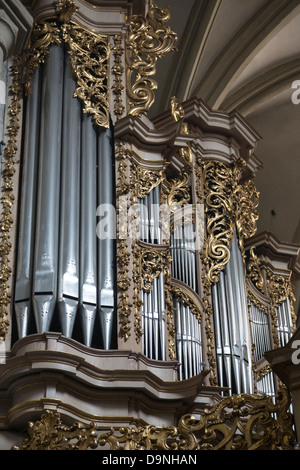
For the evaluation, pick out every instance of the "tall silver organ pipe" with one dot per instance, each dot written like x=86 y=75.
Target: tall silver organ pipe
x=106 y=244
x=88 y=242
x=68 y=265
x=64 y=272
x=27 y=211
x=47 y=219
x=232 y=329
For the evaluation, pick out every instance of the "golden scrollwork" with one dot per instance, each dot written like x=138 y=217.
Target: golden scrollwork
x=247 y=199
x=145 y=180
x=43 y=35
x=7 y=200
x=152 y=263
x=177 y=192
x=254 y=270
x=220 y=182
x=50 y=433
x=89 y=54
x=238 y=422
x=149 y=39
x=123 y=255
x=279 y=287
x=208 y=320
x=117 y=70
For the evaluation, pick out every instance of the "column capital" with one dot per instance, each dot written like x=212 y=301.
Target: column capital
x=15 y=25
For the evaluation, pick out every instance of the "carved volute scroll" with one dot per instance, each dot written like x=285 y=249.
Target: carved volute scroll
x=149 y=39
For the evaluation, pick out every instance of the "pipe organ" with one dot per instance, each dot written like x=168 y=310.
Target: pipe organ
x=64 y=271
x=136 y=245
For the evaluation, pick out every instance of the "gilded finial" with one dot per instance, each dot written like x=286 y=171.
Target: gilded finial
x=66 y=8
x=176 y=109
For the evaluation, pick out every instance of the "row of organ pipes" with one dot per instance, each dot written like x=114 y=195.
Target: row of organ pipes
x=66 y=274
x=63 y=269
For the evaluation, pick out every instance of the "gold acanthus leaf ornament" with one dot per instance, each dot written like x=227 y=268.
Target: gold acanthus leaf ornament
x=219 y=184
x=238 y=422
x=149 y=39
x=89 y=54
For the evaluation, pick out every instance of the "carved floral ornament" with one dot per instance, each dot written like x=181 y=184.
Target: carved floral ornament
x=239 y=422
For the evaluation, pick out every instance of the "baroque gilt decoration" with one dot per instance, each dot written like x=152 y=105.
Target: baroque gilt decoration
x=89 y=53
x=123 y=256
x=239 y=422
x=149 y=39
x=8 y=197
x=117 y=70
x=219 y=184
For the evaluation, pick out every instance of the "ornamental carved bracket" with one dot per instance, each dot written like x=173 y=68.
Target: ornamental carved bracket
x=239 y=422
x=149 y=39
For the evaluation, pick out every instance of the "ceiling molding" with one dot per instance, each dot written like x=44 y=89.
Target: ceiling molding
x=190 y=49
x=244 y=45
x=262 y=88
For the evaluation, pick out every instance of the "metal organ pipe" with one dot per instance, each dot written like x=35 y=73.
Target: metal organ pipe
x=88 y=247
x=106 y=245
x=27 y=213
x=47 y=220
x=233 y=341
x=68 y=266
x=63 y=270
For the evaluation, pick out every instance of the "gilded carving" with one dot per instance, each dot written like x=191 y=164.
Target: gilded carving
x=145 y=180
x=177 y=193
x=50 y=433
x=123 y=255
x=220 y=182
x=238 y=422
x=117 y=70
x=43 y=35
x=208 y=320
x=89 y=54
x=254 y=270
x=176 y=109
x=7 y=200
x=149 y=39
x=247 y=199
